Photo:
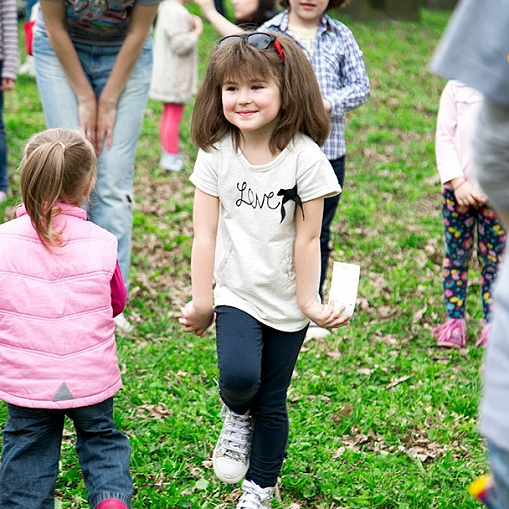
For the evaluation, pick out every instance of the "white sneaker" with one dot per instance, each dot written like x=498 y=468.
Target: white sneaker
x=3 y=196
x=122 y=323
x=255 y=497
x=233 y=448
x=28 y=67
x=315 y=331
x=171 y=162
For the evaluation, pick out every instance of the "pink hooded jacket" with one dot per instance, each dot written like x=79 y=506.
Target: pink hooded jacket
x=57 y=341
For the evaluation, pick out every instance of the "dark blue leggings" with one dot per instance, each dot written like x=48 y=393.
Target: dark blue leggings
x=255 y=369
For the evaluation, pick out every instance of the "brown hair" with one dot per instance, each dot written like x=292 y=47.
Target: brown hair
x=57 y=165
x=302 y=107
x=333 y=4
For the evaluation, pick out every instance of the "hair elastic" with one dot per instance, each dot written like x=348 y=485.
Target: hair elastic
x=62 y=145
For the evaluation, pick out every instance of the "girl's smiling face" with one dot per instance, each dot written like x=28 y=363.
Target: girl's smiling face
x=251 y=104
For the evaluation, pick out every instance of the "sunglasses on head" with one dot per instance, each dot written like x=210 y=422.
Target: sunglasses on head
x=258 y=40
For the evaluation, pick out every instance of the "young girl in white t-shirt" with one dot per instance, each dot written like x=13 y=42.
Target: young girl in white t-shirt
x=261 y=180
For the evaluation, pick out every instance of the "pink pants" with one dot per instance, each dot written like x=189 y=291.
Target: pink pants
x=169 y=128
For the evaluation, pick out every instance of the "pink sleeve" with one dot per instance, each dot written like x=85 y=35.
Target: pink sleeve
x=448 y=162
x=118 y=291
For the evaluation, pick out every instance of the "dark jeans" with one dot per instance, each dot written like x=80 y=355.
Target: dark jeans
x=329 y=210
x=255 y=369
x=3 y=143
x=31 y=452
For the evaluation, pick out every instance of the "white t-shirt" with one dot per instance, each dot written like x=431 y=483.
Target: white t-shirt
x=254 y=265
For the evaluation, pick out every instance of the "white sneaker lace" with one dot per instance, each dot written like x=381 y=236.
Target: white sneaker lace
x=235 y=438
x=255 y=497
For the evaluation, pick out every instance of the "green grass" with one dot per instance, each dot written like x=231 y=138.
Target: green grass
x=379 y=417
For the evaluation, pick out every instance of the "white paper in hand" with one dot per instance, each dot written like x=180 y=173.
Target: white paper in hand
x=344 y=286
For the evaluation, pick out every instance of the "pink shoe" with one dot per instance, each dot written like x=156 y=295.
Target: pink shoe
x=451 y=334
x=112 y=503
x=485 y=335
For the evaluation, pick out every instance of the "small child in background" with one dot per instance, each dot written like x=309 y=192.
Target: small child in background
x=9 y=56
x=175 y=73
x=57 y=334
x=464 y=210
x=261 y=180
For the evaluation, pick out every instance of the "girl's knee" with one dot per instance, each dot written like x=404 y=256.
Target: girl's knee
x=238 y=387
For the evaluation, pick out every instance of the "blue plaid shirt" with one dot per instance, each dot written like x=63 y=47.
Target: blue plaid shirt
x=339 y=68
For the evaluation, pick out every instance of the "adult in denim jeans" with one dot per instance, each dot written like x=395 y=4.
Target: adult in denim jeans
x=8 y=66
x=93 y=67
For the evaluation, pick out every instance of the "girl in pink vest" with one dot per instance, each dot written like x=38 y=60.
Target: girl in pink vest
x=61 y=287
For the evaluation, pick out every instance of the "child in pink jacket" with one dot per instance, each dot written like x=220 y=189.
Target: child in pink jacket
x=464 y=210
x=61 y=287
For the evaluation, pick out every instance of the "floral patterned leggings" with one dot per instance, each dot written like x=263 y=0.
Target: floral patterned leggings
x=460 y=224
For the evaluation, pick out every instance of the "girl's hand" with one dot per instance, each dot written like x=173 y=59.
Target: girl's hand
x=327 y=105
x=197 y=25
x=195 y=320
x=106 y=115
x=7 y=84
x=326 y=316
x=465 y=194
x=480 y=196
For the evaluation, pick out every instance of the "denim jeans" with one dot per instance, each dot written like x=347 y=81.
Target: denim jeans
x=3 y=143
x=330 y=206
x=255 y=370
x=111 y=204
x=499 y=464
x=31 y=452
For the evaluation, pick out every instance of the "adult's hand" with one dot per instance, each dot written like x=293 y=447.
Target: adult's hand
x=106 y=115
x=87 y=113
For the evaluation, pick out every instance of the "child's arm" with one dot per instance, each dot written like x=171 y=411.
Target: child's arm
x=198 y=314
x=448 y=163
x=356 y=89
x=118 y=291
x=176 y=26
x=307 y=266
x=9 y=43
x=217 y=20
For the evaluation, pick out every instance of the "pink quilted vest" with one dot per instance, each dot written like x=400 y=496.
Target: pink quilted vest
x=57 y=342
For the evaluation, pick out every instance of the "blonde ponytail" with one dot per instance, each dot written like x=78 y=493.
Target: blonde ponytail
x=59 y=165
